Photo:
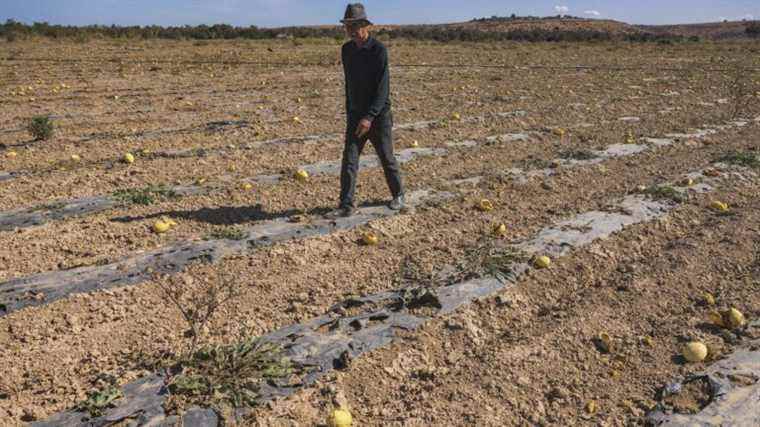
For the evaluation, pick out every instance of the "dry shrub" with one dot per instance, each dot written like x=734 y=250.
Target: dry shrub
x=41 y=128
x=220 y=376
x=198 y=299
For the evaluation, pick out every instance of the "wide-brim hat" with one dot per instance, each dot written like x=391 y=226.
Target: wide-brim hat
x=355 y=14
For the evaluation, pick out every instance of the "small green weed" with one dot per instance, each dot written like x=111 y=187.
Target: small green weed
x=536 y=163
x=41 y=128
x=228 y=233
x=229 y=376
x=490 y=260
x=99 y=400
x=500 y=263
x=746 y=159
x=144 y=196
x=666 y=192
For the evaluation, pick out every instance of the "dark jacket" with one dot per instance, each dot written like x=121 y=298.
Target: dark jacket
x=367 y=79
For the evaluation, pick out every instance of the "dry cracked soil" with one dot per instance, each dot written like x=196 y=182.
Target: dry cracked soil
x=527 y=356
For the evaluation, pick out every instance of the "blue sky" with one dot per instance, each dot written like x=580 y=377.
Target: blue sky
x=272 y=13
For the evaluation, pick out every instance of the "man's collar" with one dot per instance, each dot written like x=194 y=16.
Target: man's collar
x=368 y=44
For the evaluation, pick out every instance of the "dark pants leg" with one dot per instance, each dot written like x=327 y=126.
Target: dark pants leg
x=382 y=139
x=350 y=164
x=381 y=135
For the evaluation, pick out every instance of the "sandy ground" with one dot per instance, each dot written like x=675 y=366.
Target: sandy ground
x=524 y=359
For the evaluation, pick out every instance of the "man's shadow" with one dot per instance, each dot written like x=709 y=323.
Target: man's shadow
x=236 y=215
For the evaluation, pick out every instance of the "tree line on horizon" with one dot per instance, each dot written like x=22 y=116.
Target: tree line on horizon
x=12 y=30
x=515 y=17
x=753 y=29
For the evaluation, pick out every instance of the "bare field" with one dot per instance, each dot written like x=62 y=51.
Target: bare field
x=546 y=132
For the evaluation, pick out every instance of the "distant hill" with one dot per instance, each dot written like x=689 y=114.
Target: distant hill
x=524 y=24
x=710 y=30
x=513 y=28
x=568 y=24
x=531 y=29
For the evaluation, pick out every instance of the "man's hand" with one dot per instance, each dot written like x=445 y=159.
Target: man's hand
x=363 y=127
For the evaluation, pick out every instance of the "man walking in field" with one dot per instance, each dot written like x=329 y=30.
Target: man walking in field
x=368 y=109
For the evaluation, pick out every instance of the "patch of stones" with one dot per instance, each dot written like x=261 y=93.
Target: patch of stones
x=357 y=326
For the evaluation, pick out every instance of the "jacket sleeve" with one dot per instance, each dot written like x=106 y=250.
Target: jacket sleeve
x=383 y=88
x=345 y=78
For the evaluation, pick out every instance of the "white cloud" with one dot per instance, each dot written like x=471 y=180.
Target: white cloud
x=592 y=13
x=748 y=17
x=561 y=10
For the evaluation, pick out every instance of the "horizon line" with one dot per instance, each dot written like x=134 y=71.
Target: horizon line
x=4 y=21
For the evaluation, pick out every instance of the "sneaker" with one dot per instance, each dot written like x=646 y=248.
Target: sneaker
x=397 y=203
x=342 y=212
